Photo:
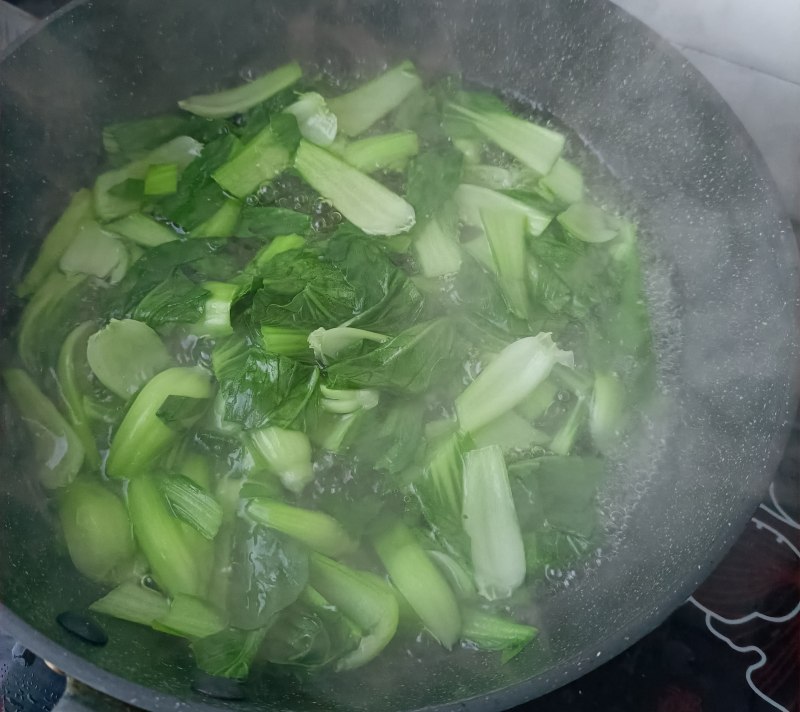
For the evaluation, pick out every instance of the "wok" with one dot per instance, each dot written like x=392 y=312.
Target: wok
x=722 y=276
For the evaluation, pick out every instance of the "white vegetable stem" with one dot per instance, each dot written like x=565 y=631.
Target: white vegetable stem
x=490 y=521
x=361 y=199
x=509 y=379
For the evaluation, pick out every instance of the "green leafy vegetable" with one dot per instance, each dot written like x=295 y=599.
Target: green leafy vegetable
x=193 y=505
x=269 y=570
x=174 y=562
x=490 y=520
x=57 y=449
x=161 y=179
x=316 y=121
x=132 y=602
x=357 y=360
x=266 y=155
x=234 y=101
x=420 y=582
x=493 y=392
x=317 y=530
x=72 y=372
x=287 y=453
x=79 y=211
x=536 y=146
x=362 y=200
x=490 y=632
x=362 y=107
x=364 y=599
x=97 y=531
x=126 y=354
x=383 y=152
x=409 y=362
x=143 y=436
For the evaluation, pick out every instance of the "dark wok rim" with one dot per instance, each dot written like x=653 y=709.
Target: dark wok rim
x=634 y=628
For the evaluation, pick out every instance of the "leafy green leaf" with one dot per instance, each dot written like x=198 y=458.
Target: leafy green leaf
x=408 y=363
x=258 y=388
x=266 y=222
x=269 y=570
x=433 y=177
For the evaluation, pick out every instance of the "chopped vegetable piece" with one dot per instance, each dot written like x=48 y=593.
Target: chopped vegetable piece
x=108 y=206
x=606 y=414
x=95 y=251
x=490 y=521
x=143 y=436
x=364 y=599
x=287 y=453
x=348 y=401
x=44 y=315
x=126 y=354
x=234 y=101
x=564 y=182
x=132 y=602
x=362 y=200
x=190 y=617
x=438 y=251
x=285 y=340
x=491 y=632
x=268 y=573
x=261 y=159
x=316 y=121
x=361 y=108
x=79 y=211
x=142 y=230
x=162 y=539
x=382 y=152
x=193 y=505
x=493 y=392
x=161 y=179
x=58 y=450
x=317 y=530
x=71 y=361
x=97 y=531
x=472 y=199
x=216 y=319
x=506 y=234
x=229 y=653
x=589 y=223
x=420 y=582
x=328 y=343
x=535 y=146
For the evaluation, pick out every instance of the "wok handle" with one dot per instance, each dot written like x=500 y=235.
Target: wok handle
x=80 y=698
x=13 y=23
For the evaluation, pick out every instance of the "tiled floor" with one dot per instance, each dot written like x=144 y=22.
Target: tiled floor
x=750 y=51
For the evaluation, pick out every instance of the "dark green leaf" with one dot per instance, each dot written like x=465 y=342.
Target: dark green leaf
x=180 y=412
x=433 y=177
x=198 y=197
x=176 y=299
x=228 y=653
x=265 y=223
x=258 y=388
x=129 y=189
x=410 y=362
